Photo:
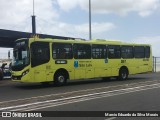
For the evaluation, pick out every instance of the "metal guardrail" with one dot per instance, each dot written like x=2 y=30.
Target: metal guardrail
x=156 y=64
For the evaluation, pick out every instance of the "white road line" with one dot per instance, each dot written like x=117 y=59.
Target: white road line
x=58 y=102
x=75 y=101
x=112 y=118
x=79 y=91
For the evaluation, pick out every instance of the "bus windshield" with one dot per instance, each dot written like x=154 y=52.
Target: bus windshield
x=20 y=55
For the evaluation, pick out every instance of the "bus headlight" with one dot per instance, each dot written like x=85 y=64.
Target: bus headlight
x=25 y=72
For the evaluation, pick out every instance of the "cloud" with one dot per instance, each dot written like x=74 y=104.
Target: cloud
x=153 y=41
x=96 y=27
x=78 y=31
x=67 y=5
x=16 y=14
x=120 y=7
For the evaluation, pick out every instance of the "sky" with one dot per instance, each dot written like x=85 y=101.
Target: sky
x=133 y=21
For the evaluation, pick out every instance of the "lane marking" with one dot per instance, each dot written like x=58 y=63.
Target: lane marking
x=75 y=101
x=112 y=118
x=57 y=102
x=44 y=96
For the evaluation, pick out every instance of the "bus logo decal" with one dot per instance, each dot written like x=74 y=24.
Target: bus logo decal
x=76 y=64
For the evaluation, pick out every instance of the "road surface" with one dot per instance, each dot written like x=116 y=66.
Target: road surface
x=138 y=93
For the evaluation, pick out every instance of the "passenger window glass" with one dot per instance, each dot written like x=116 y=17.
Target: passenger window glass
x=40 y=53
x=114 y=51
x=139 y=52
x=62 y=51
x=147 y=51
x=127 y=52
x=82 y=51
x=99 y=52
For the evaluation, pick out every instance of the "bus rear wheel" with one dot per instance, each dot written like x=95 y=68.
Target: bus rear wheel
x=123 y=74
x=60 y=79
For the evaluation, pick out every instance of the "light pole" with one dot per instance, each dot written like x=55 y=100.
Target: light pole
x=33 y=22
x=90 y=27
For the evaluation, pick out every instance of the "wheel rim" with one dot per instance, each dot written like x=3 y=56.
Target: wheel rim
x=61 y=79
x=124 y=75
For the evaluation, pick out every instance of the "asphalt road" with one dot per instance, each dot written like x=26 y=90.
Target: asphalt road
x=12 y=90
x=148 y=100
x=142 y=100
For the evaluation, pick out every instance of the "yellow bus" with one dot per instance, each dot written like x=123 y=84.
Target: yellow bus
x=53 y=60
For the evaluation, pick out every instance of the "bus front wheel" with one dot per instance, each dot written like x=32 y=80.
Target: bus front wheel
x=123 y=74
x=60 y=79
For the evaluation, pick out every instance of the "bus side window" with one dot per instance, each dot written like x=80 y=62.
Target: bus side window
x=40 y=53
x=62 y=51
x=147 y=52
x=139 y=52
x=82 y=51
x=127 y=51
x=99 y=51
x=114 y=52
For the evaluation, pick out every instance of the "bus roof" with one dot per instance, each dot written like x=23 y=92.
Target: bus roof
x=94 y=41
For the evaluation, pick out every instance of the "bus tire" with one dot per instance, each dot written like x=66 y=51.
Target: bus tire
x=123 y=74
x=60 y=79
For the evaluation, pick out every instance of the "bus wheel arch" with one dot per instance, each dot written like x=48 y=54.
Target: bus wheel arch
x=123 y=73
x=61 y=76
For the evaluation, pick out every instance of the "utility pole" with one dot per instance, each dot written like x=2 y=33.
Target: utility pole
x=33 y=22
x=90 y=27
